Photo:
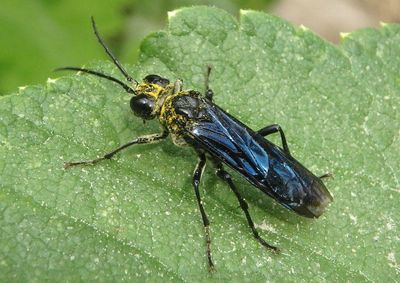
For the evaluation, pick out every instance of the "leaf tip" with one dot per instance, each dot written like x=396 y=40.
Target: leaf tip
x=244 y=12
x=304 y=28
x=344 y=35
x=51 y=81
x=172 y=14
x=383 y=24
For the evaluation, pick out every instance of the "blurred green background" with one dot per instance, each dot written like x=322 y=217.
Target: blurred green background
x=37 y=36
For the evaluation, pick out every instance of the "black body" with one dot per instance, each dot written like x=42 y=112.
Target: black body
x=262 y=163
x=193 y=119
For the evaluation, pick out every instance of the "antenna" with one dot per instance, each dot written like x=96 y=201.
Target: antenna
x=125 y=86
x=113 y=58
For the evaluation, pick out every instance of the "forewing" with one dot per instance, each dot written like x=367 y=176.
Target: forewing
x=231 y=142
x=264 y=164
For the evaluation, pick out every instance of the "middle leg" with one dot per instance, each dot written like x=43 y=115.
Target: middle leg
x=225 y=176
x=198 y=172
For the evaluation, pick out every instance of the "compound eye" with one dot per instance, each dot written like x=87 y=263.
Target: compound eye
x=143 y=105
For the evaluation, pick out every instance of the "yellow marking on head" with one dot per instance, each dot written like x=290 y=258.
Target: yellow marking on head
x=153 y=90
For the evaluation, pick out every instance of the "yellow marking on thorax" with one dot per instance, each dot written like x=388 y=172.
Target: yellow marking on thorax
x=168 y=116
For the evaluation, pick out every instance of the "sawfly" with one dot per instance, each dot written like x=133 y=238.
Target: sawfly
x=192 y=119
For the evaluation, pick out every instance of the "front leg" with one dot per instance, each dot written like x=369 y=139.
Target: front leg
x=177 y=86
x=198 y=172
x=140 y=140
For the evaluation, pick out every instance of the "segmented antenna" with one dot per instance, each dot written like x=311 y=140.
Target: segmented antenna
x=88 y=71
x=113 y=58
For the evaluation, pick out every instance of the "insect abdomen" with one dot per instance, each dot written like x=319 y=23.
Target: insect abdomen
x=293 y=185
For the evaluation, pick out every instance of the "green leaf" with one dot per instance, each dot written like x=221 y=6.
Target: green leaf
x=135 y=217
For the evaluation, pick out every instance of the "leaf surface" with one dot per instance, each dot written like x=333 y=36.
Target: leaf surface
x=135 y=217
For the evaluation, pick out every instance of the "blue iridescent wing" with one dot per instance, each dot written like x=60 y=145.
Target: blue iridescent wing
x=261 y=162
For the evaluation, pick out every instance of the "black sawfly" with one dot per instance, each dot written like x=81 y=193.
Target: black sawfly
x=193 y=119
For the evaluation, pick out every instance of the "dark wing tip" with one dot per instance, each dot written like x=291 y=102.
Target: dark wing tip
x=318 y=205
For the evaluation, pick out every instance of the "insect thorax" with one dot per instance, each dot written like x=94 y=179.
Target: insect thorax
x=179 y=112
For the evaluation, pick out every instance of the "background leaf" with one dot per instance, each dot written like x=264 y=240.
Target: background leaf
x=136 y=218
x=38 y=36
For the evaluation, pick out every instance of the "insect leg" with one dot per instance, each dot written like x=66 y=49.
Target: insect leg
x=243 y=205
x=140 y=140
x=177 y=86
x=208 y=93
x=271 y=129
x=326 y=175
x=198 y=172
